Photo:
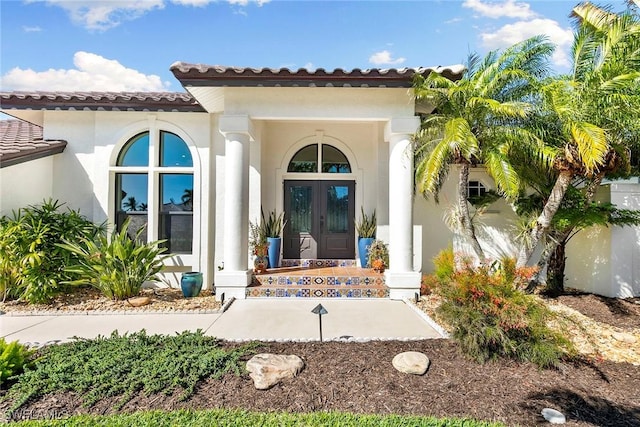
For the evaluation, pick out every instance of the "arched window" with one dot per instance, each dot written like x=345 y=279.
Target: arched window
x=156 y=191
x=328 y=159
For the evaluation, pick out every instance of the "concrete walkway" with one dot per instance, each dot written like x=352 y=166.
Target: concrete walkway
x=250 y=319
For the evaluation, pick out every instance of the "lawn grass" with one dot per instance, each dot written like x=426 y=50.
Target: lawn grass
x=232 y=418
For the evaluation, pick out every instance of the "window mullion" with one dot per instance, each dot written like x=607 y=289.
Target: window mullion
x=153 y=184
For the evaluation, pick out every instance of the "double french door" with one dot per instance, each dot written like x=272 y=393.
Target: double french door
x=320 y=219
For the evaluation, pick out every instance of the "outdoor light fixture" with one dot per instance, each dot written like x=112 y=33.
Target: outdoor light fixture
x=320 y=310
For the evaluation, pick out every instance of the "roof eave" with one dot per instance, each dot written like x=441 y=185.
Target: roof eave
x=11 y=159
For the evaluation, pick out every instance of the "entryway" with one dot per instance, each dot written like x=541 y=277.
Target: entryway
x=319 y=218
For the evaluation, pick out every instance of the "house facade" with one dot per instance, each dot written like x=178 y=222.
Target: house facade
x=197 y=167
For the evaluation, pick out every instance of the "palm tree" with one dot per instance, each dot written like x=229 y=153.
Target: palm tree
x=476 y=121
x=130 y=204
x=594 y=109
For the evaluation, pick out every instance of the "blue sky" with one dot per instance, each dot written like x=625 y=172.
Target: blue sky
x=127 y=45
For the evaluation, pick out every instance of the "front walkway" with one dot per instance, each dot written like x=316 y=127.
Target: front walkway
x=251 y=319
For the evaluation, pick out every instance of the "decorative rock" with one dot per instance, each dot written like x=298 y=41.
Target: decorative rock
x=553 y=416
x=266 y=369
x=139 y=301
x=411 y=362
x=622 y=337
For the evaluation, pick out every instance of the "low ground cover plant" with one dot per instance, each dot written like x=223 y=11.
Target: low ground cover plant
x=13 y=359
x=122 y=365
x=32 y=265
x=490 y=316
x=225 y=417
x=117 y=265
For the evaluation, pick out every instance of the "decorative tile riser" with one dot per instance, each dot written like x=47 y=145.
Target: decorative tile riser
x=324 y=292
x=318 y=263
x=291 y=281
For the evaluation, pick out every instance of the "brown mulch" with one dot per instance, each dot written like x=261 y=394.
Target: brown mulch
x=623 y=313
x=88 y=299
x=358 y=377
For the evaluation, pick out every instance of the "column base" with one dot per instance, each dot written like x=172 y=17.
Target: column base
x=403 y=284
x=230 y=284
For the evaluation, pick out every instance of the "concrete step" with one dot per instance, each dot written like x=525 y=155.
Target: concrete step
x=317 y=291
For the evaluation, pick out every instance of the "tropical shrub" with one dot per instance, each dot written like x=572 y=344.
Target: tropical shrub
x=32 y=265
x=117 y=265
x=13 y=358
x=490 y=317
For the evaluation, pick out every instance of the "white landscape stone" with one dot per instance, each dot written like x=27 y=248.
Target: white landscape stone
x=411 y=362
x=267 y=369
x=553 y=416
x=624 y=337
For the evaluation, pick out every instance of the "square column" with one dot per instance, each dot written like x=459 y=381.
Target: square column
x=236 y=276
x=402 y=281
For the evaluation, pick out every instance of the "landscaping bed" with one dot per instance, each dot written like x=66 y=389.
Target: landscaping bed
x=87 y=299
x=597 y=389
x=359 y=378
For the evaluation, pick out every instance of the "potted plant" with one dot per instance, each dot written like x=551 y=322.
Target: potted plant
x=366 y=229
x=379 y=256
x=258 y=246
x=273 y=226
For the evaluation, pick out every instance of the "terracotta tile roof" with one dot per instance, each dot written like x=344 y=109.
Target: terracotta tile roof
x=100 y=101
x=217 y=75
x=22 y=141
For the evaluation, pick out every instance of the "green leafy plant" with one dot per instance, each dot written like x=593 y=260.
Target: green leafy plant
x=258 y=238
x=13 y=358
x=274 y=224
x=379 y=251
x=117 y=265
x=368 y=225
x=120 y=366
x=490 y=317
x=32 y=265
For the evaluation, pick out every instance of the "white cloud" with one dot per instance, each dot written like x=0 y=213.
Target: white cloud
x=384 y=58
x=102 y=15
x=518 y=31
x=28 y=29
x=92 y=73
x=502 y=9
x=453 y=20
x=309 y=66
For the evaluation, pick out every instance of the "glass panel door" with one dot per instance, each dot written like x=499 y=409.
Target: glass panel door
x=337 y=209
x=320 y=220
x=301 y=225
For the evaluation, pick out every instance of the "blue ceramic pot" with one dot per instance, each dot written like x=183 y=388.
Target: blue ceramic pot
x=364 y=243
x=274 y=251
x=191 y=283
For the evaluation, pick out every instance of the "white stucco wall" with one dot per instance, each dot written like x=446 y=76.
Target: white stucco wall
x=28 y=183
x=82 y=176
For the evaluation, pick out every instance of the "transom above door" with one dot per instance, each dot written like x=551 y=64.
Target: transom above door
x=320 y=219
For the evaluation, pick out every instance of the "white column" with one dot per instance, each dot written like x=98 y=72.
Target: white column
x=402 y=281
x=236 y=276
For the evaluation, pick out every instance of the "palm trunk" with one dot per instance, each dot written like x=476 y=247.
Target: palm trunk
x=555 y=273
x=544 y=220
x=466 y=225
x=552 y=249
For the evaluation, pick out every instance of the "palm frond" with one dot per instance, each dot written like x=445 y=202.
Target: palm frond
x=591 y=143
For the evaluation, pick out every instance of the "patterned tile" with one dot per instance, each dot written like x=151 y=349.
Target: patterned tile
x=319 y=280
